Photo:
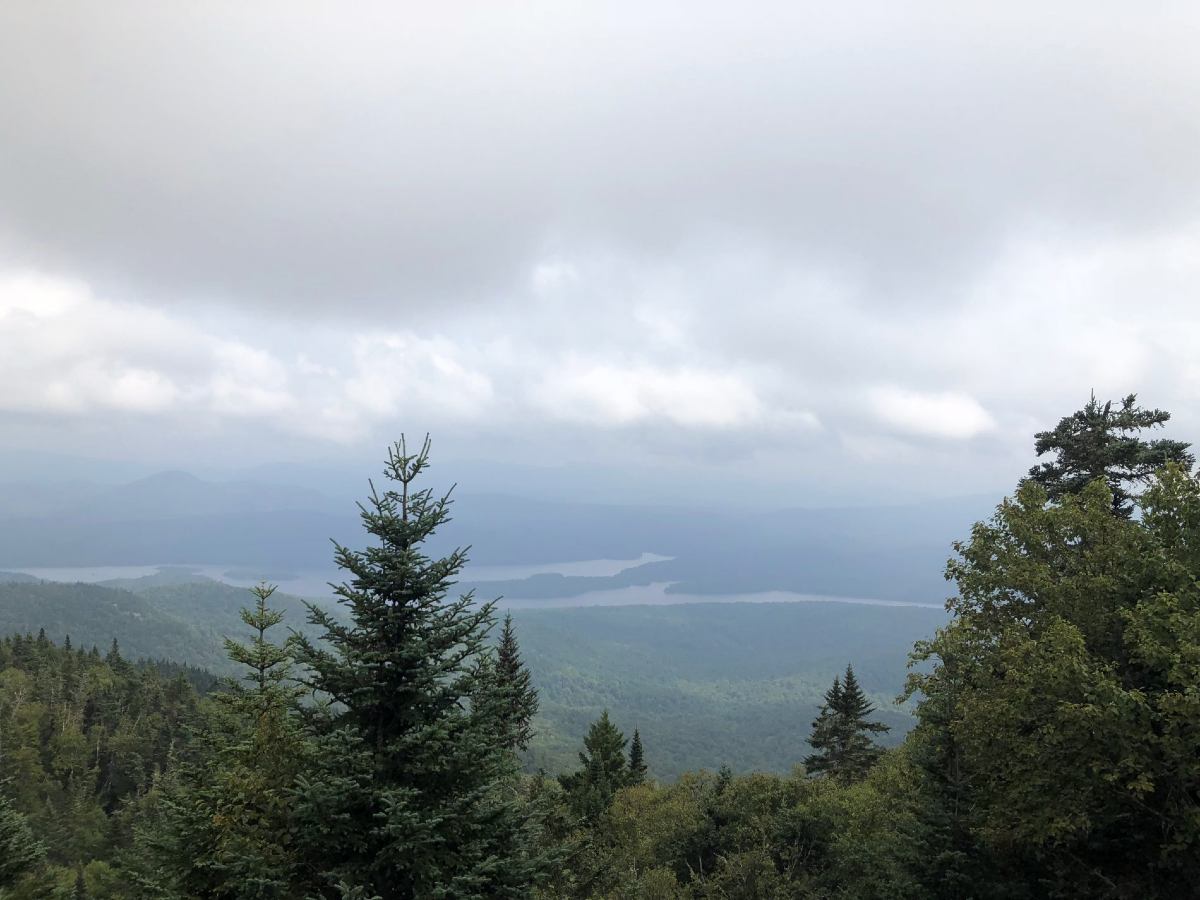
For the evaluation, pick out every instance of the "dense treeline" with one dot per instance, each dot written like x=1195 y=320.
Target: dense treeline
x=82 y=736
x=1056 y=753
x=707 y=684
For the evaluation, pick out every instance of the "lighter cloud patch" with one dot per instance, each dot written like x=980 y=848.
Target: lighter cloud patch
x=403 y=373
x=64 y=351
x=248 y=382
x=602 y=394
x=36 y=295
x=551 y=276
x=950 y=415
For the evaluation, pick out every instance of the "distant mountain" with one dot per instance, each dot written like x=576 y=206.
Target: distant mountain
x=890 y=553
x=94 y=615
x=173 y=517
x=163 y=495
x=16 y=578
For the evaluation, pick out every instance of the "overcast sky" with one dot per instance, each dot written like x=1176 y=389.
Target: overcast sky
x=844 y=248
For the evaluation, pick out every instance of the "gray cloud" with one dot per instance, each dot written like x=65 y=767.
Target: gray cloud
x=866 y=236
x=392 y=157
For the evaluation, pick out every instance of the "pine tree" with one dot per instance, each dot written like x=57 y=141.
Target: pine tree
x=414 y=791
x=224 y=827
x=1098 y=442
x=825 y=738
x=841 y=732
x=520 y=697
x=116 y=661
x=19 y=851
x=603 y=770
x=637 y=760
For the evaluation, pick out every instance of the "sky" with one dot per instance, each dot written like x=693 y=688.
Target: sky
x=812 y=252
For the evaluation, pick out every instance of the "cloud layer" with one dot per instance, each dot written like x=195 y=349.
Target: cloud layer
x=863 y=239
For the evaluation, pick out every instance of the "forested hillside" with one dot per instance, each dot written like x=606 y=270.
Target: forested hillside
x=708 y=684
x=711 y=684
x=92 y=615
x=377 y=753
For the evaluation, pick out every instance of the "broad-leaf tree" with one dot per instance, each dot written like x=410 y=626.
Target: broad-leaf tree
x=1063 y=694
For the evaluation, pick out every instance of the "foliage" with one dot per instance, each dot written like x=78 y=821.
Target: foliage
x=82 y=738
x=1100 y=442
x=707 y=683
x=93 y=616
x=413 y=794
x=637 y=759
x=604 y=770
x=519 y=698
x=20 y=851
x=222 y=824
x=751 y=836
x=841 y=733
x=1066 y=688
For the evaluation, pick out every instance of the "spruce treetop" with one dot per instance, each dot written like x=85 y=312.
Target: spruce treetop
x=520 y=699
x=843 y=748
x=637 y=759
x=1101 y=441
x=415 y=795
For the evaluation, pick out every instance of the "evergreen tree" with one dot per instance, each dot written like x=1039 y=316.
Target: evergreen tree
x=224 y=826
x=603 y=771
x=414 y=791
x=825 y=731
x=519 y=696
x=841 y=732
x=1100 y=441
x=637 y=760
x=19 y=851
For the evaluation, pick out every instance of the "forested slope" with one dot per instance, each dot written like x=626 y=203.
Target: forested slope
x=94 y=616
x=708 y=684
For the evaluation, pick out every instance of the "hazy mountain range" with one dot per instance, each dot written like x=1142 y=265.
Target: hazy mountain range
x=888 y=552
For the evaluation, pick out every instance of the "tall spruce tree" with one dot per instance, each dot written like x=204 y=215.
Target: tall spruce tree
x=1102 y=441
x=841 y=734
x=413 y=795
x=824 y=738
x=603 y=770
x=520 y=699
x=637 y=759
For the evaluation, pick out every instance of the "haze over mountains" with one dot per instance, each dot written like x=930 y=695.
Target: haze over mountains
x=706 y=681
x=889 y=553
